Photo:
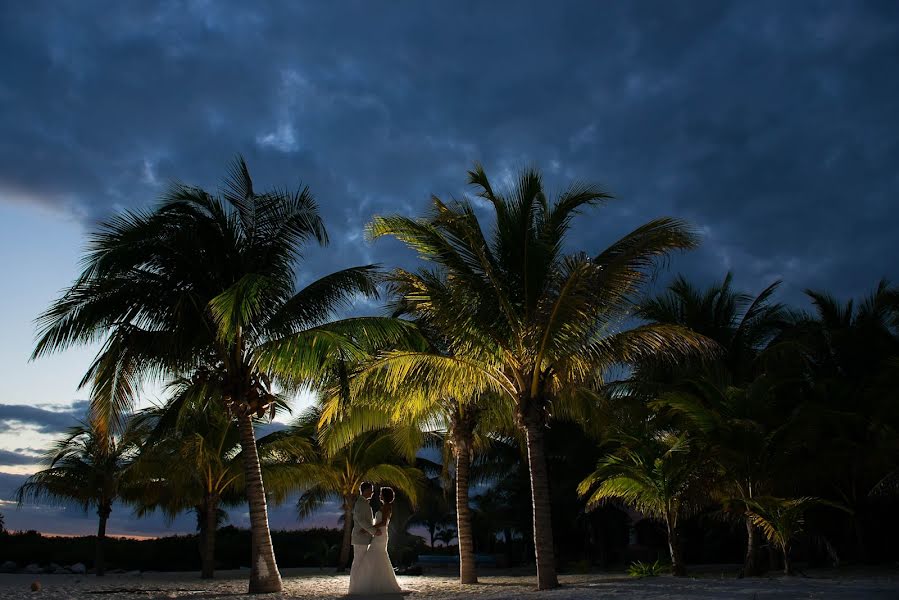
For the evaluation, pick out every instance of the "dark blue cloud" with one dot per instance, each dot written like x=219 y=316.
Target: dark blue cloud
x=49 y=419
x=12 y=458
x=770 y=125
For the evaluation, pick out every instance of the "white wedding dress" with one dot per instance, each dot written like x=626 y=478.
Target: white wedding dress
x=376 y=574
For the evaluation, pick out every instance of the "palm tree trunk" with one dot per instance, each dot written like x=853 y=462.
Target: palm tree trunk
x=211 y=523
x=788 y=566
x=103 y=512
x=677 y=562
x=467 y=570
x=347 y=534
x=264 y=575
x=543 y=532
x=751 y=561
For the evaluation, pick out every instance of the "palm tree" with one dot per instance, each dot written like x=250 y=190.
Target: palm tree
x=433 y=511
x=848 y=350
x=204 y=287
x=464 y=427
x=524 y=319
x=782 y=519
x=886 y=383
x=725 y=400
x=324 y=473
x=193 y=463
x=502 y=470
x=445 y=535
x=656 y=475
x=193 y=460
x=741 y=324
x=89 y=466
x=745 y=436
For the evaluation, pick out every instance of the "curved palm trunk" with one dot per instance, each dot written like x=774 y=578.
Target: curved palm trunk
x=347 y=534
x=103 y=512
x=210 y=518
x=543 y=532
x=751 y=561
x=467 y=570
x=264 y=575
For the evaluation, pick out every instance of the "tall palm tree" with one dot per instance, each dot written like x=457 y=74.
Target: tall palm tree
x=525 y=319
x=329 y=473
x=656 y=475
x=89 y=466
x=204 y=287
x=726 y=400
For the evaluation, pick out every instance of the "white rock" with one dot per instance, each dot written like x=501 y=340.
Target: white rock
x=33 y=569
x=78 y=568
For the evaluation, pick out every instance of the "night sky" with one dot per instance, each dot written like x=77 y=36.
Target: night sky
x=773 y=127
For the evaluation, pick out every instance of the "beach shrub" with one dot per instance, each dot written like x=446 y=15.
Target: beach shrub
x=647 y=569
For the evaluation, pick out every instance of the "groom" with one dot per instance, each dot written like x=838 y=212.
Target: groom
x=362 y=525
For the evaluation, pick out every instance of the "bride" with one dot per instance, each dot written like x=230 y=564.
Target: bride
x=376 y=574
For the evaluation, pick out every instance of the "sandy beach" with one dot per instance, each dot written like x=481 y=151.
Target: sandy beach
x=312 y=583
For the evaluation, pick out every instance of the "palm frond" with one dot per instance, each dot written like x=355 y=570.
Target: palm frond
x=322 y=298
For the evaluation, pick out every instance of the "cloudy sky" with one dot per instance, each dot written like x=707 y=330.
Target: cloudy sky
x=771 y=126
